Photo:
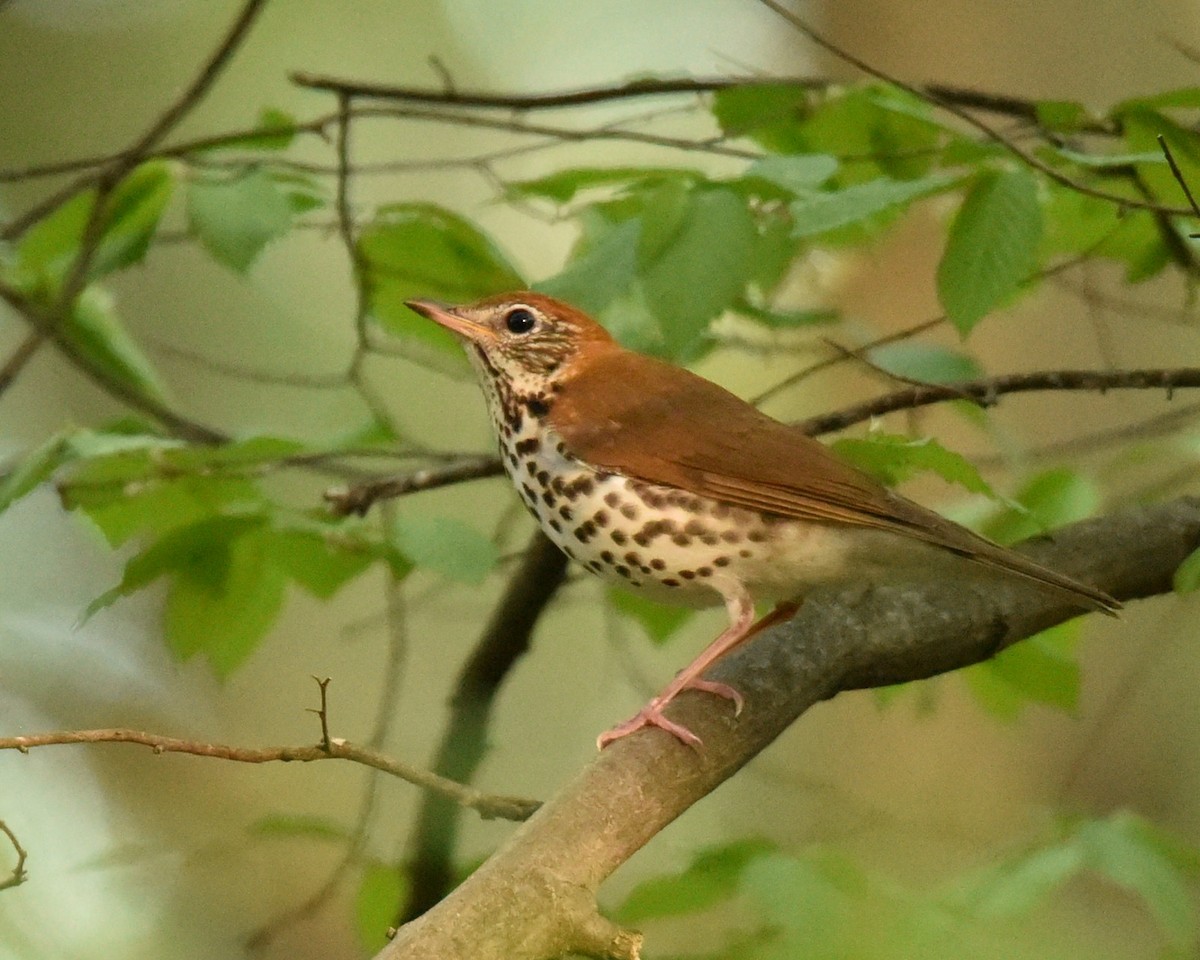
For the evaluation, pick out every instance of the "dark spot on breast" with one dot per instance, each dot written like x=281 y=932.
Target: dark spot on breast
x=681 y=540
x=633 y=559
x=548 y=498
x=756 y=536
x=709 y=539
x=670 y=583
x=600 y=518
x=619 y=538
x=595 y=565
x=582 y=534
x=629 y=511
x=565 y=512
x=543 y=477
x=537 y=406
x=745 y=554
x=530 y=467
x=720 y=561
x=554 y=525
x=584 y=485
x=721 y=510
x=607 y=556
x=622 y=570
x=694 y=528
x=731 y=536
x=612 y=499
x=658 y=564
x=529 y=494
x=688 y=574
x=704 y=571
x=527 y=446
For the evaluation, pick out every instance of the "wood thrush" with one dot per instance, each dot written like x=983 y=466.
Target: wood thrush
x=669 y=485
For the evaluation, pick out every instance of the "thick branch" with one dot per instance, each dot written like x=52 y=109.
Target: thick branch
x=489 y=805
x=534 y=898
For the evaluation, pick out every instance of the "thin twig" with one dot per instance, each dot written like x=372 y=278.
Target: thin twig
x=127 y=159
x=926 y=94
x=17 y=875
x=25 y=352
x=489 y=806
x=986 y=391
x=1017 y=107
x=357 y=499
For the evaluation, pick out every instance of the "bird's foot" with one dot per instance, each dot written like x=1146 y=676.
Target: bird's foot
x=651 y=715
x=721 y=690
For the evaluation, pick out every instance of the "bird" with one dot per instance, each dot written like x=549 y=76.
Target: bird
x=661 y=481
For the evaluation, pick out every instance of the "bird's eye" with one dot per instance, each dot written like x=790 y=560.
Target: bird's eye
x=519 y=320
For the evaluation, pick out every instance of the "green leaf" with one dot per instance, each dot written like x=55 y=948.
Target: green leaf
x=1187 y=574
x=131 y=214
x=769 y=113
x=381 y=890
x=1042 y=669
x=1121 y=849
x=321 y=564
x=563 y=185
x=701 y=270
x=1184 y=97
x=1048 y=500
x=821 y=213
x=786 y=319
x=1015 y=887
x=927 y=362
x=657 y=619
x=203 y=545
x=276 y=130
x=1062 y=116
x=712 y=877
x=602 y=271
x=893 y=458
x=794 y=174
x=223 y=599
x=991 y=248
x=96 y=331
x=33 y=469
x=423 y=250
x=234 y=219
x=444 y=545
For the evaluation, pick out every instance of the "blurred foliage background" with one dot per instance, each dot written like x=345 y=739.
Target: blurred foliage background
x=1044 y=806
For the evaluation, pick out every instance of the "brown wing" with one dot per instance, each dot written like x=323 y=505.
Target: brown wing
x=636 y=415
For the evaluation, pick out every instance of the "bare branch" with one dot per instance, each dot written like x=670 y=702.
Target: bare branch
x=17 y=875
x=449 y=96
x=359 y=498
x=489 y=805
x=25 y=352
x=988 y=390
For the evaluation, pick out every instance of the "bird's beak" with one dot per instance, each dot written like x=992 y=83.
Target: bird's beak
x=449 y=317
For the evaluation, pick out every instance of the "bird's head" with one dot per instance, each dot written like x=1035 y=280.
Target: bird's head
x=528 y=340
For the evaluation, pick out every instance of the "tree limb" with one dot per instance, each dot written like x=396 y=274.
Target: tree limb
x=535 y=898
x=488 y=805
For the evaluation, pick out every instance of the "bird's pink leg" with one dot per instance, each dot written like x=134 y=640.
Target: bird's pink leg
x=741 y=627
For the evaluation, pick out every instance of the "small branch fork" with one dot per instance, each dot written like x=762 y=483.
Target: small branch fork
x=17 y=875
